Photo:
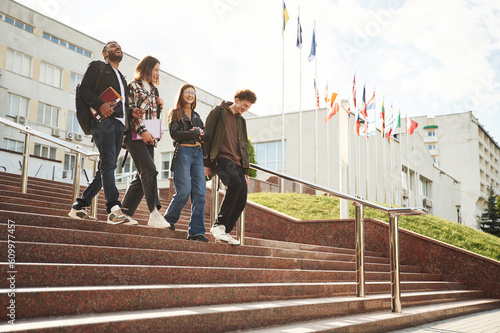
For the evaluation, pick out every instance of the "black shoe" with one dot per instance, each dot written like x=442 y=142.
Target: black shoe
x=172 y=227
x=199 y=238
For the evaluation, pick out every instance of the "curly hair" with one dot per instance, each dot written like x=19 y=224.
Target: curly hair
x=246 y=94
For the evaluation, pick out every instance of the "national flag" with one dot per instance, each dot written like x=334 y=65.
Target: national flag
x=327 y=96
x=357 y=123
x=382 y=115
x=397 y=122
x=313 y=48
x=332 y=100
x=317 y=96
x=299 y=33
x=362 y=105
x=390 y=124
x=332 y=112
x=354 y=91
x=370 y=110
x=285 y=18
x=411 y=125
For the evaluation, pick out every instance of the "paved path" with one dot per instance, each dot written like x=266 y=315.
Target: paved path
x=481 y=322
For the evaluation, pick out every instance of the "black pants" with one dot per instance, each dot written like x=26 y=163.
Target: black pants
x=233 y=177
x=145 y=182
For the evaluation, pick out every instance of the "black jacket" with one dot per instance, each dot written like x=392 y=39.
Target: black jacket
x=107 y=79
x=181 y=131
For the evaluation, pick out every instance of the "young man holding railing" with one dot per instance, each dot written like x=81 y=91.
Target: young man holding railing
x=227 y=150
x=107 y=133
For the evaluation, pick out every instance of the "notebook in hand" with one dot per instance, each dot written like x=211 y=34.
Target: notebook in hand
x=108 y=95
x=152 y=125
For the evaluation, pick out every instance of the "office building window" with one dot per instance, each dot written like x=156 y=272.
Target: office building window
x=13 y=145
x=18 y=106
x=165 y=165
x=72 y=123
x=75 y=79
x=50 y=74
x=431 y=133
x=18 y=63
x=45 y=151
x=432 y=147
x=48 y=115
x=16 y=23
x=66 y=44
x=269 y=154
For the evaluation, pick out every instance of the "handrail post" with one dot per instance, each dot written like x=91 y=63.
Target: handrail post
x=241 y=225
x=214 y=212
x=360 y=250
x=24 y=172
x=76 y=176
x=394 y=249
x=93 y=205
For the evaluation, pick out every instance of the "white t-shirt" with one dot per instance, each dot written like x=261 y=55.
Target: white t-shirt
x=122 y=91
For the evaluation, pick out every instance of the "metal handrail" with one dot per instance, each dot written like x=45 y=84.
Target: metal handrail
x=359 y=204
x=77 y=149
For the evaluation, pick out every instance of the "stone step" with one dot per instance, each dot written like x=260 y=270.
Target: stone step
x=73 y=274
x=66 y=301
x=80 y=254
x=100 y=238
x=254 y=315
x=60 y=222
x=385 y=321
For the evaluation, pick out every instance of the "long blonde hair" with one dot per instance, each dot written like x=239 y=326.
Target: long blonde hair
x=176 y=113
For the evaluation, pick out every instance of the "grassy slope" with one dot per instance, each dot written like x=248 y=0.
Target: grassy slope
x=310 y=207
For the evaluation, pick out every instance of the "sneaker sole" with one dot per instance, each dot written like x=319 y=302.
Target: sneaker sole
x=218 y=240
x=76 y=217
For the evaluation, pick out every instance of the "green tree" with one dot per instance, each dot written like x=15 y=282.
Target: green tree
x=490 y=219
x=251 y=153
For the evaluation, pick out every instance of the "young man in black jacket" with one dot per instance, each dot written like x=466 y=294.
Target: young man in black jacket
x=228 y=156
x=107 y=133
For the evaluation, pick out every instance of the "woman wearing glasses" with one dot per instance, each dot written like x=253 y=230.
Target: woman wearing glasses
x=188 y=132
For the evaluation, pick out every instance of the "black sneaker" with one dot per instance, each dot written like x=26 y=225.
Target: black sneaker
x=199 y=238
x=172 y=227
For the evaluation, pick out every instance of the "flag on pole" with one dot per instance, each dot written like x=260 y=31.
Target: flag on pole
x=382 y=115
x=285 y=18
x=299 y=33
x=317 y=95
x=327 y=96
x=390 y=124
x=332 y=99
x=332 y=112
x=354 y=91
x=411 y=125
x=357 y=123
x=370 y=110
x=362 y=105
x=313 y=48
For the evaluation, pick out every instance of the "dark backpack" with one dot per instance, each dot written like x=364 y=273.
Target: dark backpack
x=83 y=113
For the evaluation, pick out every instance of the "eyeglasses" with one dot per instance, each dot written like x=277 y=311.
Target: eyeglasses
x=190 y=93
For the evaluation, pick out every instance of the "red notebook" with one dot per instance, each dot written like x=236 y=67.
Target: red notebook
x=108 y=95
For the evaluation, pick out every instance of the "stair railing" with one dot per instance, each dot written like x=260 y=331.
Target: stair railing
x=359 y=204
x=77 y=149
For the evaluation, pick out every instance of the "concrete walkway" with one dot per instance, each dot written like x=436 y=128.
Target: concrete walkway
x=481 y=322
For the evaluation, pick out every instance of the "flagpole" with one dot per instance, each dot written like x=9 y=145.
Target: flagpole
x=300 y=108
x=282 y=190
x=316 y=117
x=393 y=181
x=415 y=172
x=376 y=159
x=401 y=159
x=408 y=160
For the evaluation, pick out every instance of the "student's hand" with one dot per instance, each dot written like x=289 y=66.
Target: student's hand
x=208 y=171
x=137 y=113
x=248 y=180
x=148 y=138
x=159 y=102
x=107 y=109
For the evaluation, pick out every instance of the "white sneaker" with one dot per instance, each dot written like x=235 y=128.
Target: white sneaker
x=116 y=216
x=81 y=214
x=219 y=232
x=158 y=221
x=233 y=241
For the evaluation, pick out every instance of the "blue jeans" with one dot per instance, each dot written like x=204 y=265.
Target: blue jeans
x=108 y=138
x=189 y=181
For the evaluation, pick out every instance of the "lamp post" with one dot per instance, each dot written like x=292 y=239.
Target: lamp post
x=458 y=213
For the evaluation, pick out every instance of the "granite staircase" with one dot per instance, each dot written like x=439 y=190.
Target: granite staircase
x=76 y=276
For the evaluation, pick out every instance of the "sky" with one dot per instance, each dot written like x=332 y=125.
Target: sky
x=425 y=57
